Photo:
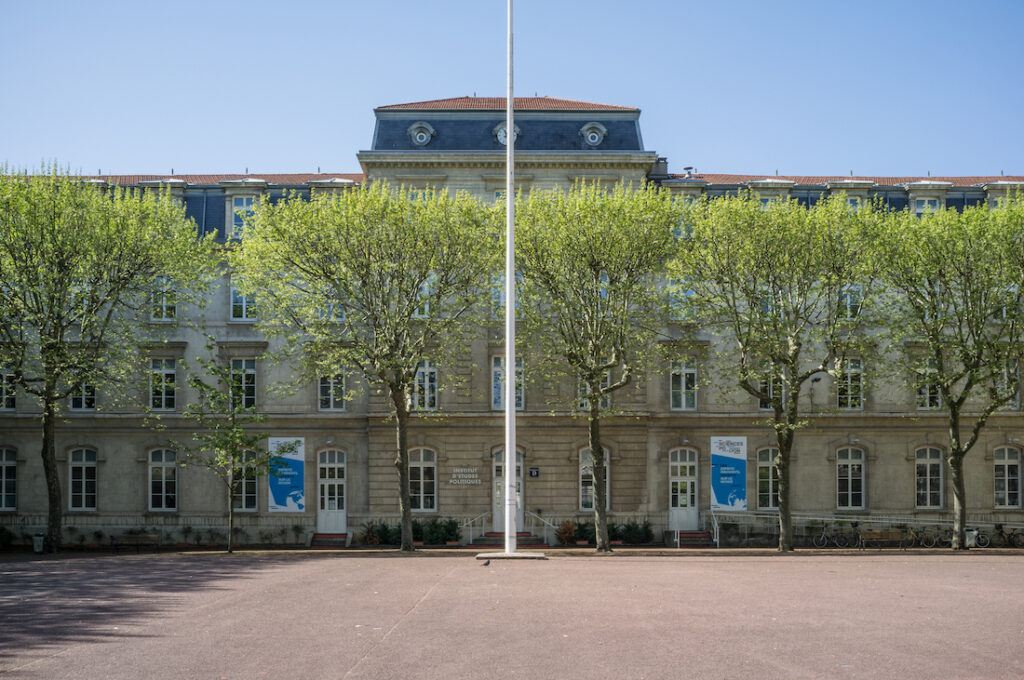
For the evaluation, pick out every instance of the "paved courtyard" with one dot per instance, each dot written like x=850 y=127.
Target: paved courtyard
x=308 y=615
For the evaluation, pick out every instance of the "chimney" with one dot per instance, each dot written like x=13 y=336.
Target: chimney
x=660 y=167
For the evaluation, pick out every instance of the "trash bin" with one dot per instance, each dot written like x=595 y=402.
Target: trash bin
x=971 y=537
x=37 y=542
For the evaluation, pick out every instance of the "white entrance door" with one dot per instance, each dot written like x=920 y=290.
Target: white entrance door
x=331 y=517
x=499 y=491
x=682 y=484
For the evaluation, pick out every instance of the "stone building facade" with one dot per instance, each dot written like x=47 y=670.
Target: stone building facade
x=880 y=455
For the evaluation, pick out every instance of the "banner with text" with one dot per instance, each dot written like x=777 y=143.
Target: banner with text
x=728 y=473
x=287 y=478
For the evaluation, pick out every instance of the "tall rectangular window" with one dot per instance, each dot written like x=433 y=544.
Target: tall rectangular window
x=767 y=478
x=587 y=480
x=928 y=478
x=923 y=205
x=162 y=377
x=8 y=479
x=8 y=390
x=241 y=209
x=680 y=301
x=929 y=397
x=243 y=495
x=850 y=385
x=606 y=398
x=83 y=398
x=163 y=480
x=422 y=309
x=243 y=307
x=424 y=396
x=243 y=382
x=683 y=386
x=332 y=393
x=82 y=469
x=498 y=383
x=498 y=295
x=772 y=388
x=1007 y=477
x=163 y=302
x=850 y=299
x=850 y=479
x=423 y=480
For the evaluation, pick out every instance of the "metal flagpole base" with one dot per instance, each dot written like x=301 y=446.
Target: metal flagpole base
x=512 y=556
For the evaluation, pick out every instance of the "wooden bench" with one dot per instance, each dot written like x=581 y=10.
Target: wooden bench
x=880 y=537
x=138 y=540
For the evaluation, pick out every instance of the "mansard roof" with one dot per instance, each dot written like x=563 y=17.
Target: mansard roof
x=712 y=178
x=499 y=103
x=279 y=179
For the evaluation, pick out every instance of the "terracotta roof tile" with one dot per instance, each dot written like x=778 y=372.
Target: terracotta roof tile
x=498 y=104
x=824 y=179
x=272 y=178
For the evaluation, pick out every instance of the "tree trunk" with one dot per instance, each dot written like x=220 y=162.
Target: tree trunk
x=402 y=465
x=53 y=491
x=231 y=514
x=785 y=514
x=956 y=476
x=600 y=475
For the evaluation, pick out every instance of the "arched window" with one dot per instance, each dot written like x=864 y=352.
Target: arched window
x=587 y=480
x=423 y=480
x=1007 y=477
x=850 y=478
x=928 y=477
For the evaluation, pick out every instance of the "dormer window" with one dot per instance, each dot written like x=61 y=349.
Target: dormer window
x=593 y=134
x=421 y=133
x=241 y=196
x=501 y=132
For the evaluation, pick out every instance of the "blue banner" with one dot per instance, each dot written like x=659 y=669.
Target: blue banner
x=287 y=480
x=728 y=473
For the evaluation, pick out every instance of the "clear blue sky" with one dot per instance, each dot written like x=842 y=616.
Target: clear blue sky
x=876 y=87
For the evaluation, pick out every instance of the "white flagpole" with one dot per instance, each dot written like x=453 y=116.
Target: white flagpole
x=510 y=309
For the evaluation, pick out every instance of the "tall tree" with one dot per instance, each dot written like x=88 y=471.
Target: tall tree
x=78 y=266
x=785 y=288
x=375 y=279
x=955 y=295
x=592 y=261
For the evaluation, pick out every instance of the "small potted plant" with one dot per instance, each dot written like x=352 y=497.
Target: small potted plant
x=566 y=532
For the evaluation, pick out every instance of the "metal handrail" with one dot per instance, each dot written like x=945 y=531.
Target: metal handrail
x=470 y=522
x=547 y=525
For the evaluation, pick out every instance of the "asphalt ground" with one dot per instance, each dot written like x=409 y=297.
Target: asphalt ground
x=731 y=614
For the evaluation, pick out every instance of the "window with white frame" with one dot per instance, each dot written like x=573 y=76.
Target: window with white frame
x=928 y=478
x=243 y=383
x=82 y=473
x=163 y=304
x=925 y=205
x=683 y=386
x=83 y=397
x=424 y=395
x=8 y=391
x=587 y=480
x=850 y=478
x=422 y=309
x=767 y=478
x=498 y=293
x=772 y=387
x=162 y=384
x=680 y=300
x=498 y=383
x=1007 y=477
x=606 y=398
x=423 y=480
x=8 y=479
x=332 y=392
x=851 y=298
x=929 y=397
x=850 y=385
x=163 y=480
x=241 y=209
x=244 y=494
x=243 y=307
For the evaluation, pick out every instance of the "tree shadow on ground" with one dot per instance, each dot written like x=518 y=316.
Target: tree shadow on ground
x=54 y=601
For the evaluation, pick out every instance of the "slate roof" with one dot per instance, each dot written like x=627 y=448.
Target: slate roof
x=825 y=179
x=288 y=179
x=498 y=104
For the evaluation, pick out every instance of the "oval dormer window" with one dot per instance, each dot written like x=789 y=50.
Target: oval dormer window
x=593 y=134
x=421 y=133
x=501 y=132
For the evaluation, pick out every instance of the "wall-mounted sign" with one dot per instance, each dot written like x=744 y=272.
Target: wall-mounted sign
x=535 y=472
x=728 y=473
x=287 y=479
x=464 y=476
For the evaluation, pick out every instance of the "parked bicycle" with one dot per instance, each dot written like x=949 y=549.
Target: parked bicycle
x=830 y=536
x=912 y=538
x=1001 y=538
